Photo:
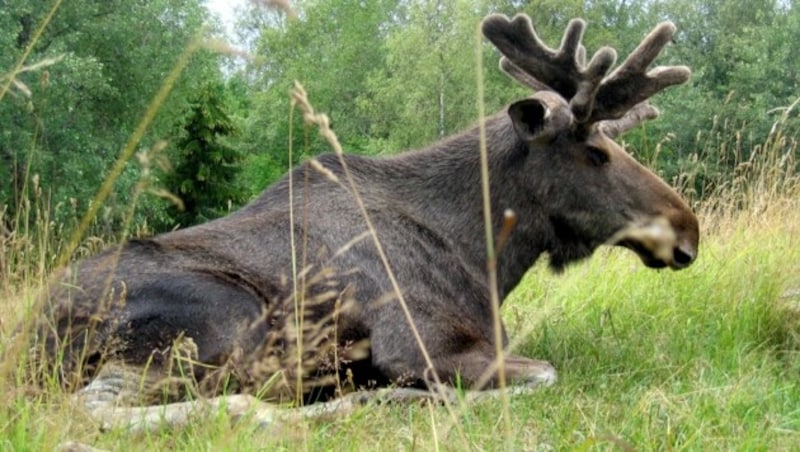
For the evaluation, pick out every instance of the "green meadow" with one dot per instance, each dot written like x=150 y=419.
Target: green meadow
x=704 y=358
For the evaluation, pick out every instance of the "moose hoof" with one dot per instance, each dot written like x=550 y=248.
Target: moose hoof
x=544 y=375
x=530 y=372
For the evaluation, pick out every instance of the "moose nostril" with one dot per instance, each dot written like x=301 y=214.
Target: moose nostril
x=681 y=258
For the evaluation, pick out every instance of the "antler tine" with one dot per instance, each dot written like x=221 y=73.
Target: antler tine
x=635 y=116
x=631 y=84
x=526 y=79
x=580 y=56
x=517 y=41
x=529 y=60
x=521 y=76
x=582 y=103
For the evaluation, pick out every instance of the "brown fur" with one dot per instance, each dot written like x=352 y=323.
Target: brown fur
x=228 y=285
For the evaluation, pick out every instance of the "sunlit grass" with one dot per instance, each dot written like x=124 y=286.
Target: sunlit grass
x=702 y=358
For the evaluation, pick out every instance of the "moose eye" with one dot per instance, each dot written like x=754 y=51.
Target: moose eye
x=596 y=156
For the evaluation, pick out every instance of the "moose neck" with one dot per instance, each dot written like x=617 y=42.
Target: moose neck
x=441 y=185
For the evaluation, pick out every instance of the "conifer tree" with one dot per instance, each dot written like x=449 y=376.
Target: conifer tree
x=205 y=168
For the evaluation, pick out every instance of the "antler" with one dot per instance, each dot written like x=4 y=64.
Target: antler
x=618 y=100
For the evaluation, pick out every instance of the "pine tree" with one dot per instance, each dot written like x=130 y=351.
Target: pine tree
x=205 y=169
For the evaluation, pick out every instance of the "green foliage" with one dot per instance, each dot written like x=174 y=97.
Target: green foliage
x=391 y=76
x=77 y=113
x=442 y=98
x=744 y=77
x=394 y=76
x=205 y=168
x=330 y=47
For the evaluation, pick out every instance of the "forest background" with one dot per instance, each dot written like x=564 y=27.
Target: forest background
x=392 y=75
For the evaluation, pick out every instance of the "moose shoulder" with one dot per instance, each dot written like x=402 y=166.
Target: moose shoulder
x=229 y=286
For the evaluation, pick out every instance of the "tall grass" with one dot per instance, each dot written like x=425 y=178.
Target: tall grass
x=705 y=358
x=729 y=170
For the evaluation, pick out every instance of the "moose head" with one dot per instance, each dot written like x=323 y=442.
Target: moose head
x=604 y=195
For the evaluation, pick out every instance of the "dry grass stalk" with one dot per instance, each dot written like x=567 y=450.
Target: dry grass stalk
x=300 y=99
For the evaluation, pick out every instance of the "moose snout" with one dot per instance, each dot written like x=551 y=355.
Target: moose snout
x=663 y=241
x=683 y=256
x=687 y=235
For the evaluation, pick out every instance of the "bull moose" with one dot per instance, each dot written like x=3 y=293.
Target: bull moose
x=302 y=253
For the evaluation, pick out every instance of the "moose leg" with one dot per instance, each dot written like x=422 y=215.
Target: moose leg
x=475 y=366
x=529 y=372
x=480 y=369
x=111 y=398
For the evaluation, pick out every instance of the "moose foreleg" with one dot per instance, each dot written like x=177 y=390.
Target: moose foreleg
x=479 y=369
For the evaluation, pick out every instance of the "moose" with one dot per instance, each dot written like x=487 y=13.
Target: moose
x=406 y=297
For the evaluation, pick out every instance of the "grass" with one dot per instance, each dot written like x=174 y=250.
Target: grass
x=705 y=358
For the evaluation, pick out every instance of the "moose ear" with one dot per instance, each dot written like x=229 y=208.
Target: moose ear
x=529 y=116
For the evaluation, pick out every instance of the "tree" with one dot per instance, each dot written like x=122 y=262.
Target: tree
x=205 y=167
x=743 y=74
x=417 y=97
x=391 y=76
x=69 y=128
x=330 y=47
